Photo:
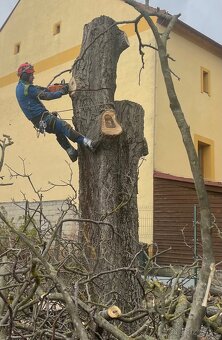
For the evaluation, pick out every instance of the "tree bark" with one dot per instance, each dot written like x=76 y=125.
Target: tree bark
x=177 y=324
x=3 y=270
x=108 y=178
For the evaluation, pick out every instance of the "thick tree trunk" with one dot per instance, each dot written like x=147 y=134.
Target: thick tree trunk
x=108 y=177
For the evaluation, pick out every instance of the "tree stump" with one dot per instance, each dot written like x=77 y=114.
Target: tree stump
x=108 y=177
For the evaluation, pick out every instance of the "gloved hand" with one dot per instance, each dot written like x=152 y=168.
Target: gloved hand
x=65 y=89
x=54 y=113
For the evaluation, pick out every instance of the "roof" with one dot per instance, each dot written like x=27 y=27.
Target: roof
x=195 y=36
x=210 y=185
x=9 y=16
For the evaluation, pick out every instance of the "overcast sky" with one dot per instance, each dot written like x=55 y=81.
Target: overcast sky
x=203 y=15
x=6 y=7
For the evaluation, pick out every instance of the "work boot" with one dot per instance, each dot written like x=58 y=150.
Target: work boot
x=88 y=143
x=73 y=153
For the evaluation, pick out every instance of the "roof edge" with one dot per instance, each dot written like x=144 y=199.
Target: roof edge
x=162 y=175
x=9 y=16
x=194 y=35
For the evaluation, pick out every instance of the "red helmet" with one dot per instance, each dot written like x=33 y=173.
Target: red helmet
x=25 y=68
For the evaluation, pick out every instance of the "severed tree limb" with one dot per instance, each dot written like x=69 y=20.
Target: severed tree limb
x=143 y=328
x=177 y=324
x=212 y=323
x=10 y=311
x=99 y=317
x=41 y=332
x=3 y=272
x=65 y=296
x=212 y=271
x=47 y=309
x=57 y=281
x=3 y=300
x=111 y=312
x=14 y=306
x=104 y=323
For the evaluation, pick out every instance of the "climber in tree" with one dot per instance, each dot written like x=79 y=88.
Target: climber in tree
x=29 y=97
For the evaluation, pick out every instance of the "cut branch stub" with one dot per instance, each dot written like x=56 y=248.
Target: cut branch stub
x=113 y=312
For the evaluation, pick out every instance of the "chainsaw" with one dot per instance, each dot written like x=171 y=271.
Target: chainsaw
x=57 y=86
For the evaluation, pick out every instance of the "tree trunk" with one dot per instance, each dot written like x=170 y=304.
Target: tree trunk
x=108 y=177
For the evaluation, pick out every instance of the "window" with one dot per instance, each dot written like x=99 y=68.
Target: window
x=205 y=81
x=17 y=48
x=205 y=151
x=57 y=28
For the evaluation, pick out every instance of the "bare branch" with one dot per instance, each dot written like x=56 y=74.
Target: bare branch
x=4 y=143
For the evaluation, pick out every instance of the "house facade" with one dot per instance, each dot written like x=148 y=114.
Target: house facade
x=52 y=43
x=198 y=65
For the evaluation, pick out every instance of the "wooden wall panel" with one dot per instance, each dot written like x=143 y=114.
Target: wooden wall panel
x=174 y=202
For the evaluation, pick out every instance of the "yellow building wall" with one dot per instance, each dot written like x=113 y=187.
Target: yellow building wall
x=32 y=23
x=202 y=112
x=43 y=157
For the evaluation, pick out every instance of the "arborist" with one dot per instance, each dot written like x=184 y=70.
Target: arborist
x=29 y=97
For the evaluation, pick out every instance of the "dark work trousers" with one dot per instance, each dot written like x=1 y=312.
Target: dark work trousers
x=59 y=127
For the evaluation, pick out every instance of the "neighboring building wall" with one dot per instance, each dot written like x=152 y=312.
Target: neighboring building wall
x=202 y=111
x=174 y=199
x=32 y=25
x=51 y=54
x=50 y=214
